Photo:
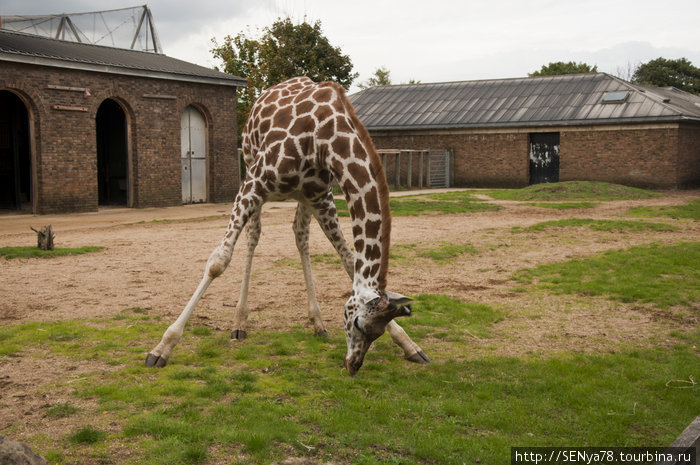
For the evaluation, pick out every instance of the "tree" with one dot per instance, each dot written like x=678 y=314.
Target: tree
x=626 y=72
x=302 y=50
x=555 y=69
x=381 y=77
x=661 y=72
x=282 y=51
x=241 y=57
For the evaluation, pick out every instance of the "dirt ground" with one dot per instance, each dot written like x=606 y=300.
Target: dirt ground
x=154 y=259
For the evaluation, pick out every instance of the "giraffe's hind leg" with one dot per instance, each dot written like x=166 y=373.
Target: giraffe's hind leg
x=301 y=233
x=240 y=318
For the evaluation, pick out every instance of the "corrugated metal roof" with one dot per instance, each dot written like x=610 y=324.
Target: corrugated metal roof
x=28 y=48
x=536 y=101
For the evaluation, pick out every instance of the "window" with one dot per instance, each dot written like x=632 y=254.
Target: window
x=616 y=96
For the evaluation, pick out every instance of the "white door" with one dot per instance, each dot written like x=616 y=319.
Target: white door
x=194 y=156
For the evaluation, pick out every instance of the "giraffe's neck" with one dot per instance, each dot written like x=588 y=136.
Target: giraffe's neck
x=353 y=160
x=361 y=177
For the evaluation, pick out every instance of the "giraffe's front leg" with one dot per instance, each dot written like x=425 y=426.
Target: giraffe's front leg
x=301 y=234
x=248 y=203
x=159 y=356
x=411 y=351
x=327 y=217
x=240 y=318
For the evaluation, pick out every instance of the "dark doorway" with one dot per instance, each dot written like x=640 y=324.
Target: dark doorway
x=544 y=157
x=15 y=155
x=112 y=157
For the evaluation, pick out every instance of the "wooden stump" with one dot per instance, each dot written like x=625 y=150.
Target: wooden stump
x=45 y=237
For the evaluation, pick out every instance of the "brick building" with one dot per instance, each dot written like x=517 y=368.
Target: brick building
x=516 y=132
x=86 y=125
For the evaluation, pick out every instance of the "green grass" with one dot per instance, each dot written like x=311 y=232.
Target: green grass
x=446 y=252
x=61 y=410
x=450 y=319
x=34 y=252
x=441 y=252
x=689 y=210
x=572 y=191
x=665 y=275
x=326 y=258
x=598 y=225
x=87 y=435
x=563 y=195
x=282 y=394
x=439 y=203
x=64 y=337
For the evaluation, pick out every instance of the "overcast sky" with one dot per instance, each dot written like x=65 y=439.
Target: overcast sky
x=433 y=40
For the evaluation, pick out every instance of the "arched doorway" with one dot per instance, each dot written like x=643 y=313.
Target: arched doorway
x=193 y=147
x=15 y=154
x=112 y=155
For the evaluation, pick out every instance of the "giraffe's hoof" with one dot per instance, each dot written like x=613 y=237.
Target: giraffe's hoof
x=238 y=334
x=153 y=360
x=418 y=357
x=323 y=334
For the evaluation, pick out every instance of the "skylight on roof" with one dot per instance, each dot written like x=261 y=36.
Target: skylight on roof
x=616 y=96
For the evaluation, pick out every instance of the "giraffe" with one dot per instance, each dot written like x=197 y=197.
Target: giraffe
x=299 y=136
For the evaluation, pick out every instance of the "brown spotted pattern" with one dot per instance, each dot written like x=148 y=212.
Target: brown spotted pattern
x=298 y=136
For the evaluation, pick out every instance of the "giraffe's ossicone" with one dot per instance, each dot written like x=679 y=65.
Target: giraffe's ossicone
x=300 y=136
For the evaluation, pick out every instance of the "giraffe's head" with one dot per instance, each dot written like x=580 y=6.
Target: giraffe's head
x=366 y=316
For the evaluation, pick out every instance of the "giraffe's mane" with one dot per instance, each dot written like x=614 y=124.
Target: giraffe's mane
x=382 y=187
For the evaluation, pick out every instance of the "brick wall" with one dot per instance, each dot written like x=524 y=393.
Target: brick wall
x=662 y=155
x=645 y=157
x=63 y=134
x=479 y=160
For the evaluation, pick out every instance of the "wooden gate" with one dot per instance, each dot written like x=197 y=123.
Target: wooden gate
x=416 y=168
x=439 y=168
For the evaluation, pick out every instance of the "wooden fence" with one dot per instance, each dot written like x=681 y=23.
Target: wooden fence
x=416 y=168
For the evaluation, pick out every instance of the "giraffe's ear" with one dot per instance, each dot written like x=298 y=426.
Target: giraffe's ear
x=397 y=305
x=398 y=299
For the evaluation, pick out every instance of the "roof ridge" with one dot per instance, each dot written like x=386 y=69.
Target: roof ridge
x=84 y=44
x=522 y=78
x=101 y=58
